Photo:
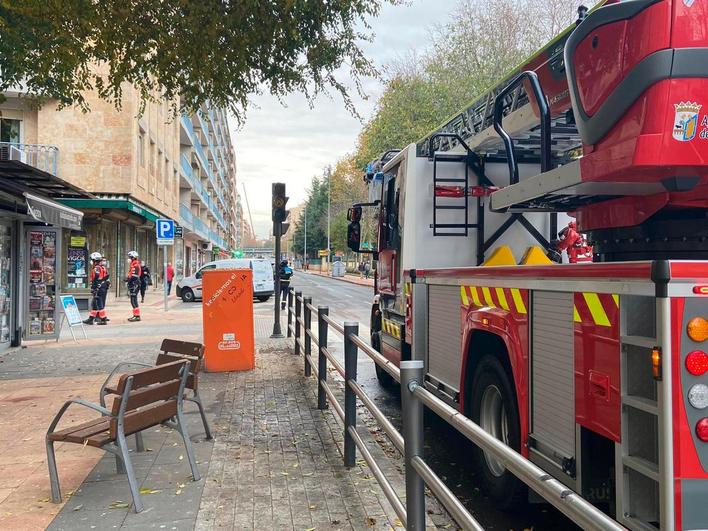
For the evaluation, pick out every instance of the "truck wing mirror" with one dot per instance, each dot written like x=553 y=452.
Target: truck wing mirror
x=354 y=214
x=354 y=235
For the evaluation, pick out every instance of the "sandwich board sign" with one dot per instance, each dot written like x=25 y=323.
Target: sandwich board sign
x=71 y=315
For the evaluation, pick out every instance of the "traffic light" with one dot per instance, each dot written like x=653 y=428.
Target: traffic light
x=280 y=214
x=279 y=202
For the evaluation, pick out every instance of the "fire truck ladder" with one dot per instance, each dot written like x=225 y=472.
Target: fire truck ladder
x=454 y=188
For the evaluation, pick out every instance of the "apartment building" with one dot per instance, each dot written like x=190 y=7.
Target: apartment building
x=137 y=164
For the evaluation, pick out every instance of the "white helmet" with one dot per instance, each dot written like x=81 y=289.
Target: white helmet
x=96 y=257
x=132 y=254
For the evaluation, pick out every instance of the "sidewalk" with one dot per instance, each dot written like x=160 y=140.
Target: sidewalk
x=275 y=463
x=349 y=277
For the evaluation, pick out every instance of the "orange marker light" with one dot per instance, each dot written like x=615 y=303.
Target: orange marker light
x=700 y=290
x=697 y=329
x=656 y=363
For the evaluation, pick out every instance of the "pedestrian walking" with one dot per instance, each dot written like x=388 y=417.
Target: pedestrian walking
x=100 y=283
x=133 y=280
x=367 y=270
x=285 y=273
x=360 y=268
x=169 y=276
x=145 y=280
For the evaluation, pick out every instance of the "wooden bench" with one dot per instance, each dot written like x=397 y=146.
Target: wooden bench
x=172 y=350
x=146 y=398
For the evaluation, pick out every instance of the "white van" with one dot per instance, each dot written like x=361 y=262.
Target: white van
x=190 y=288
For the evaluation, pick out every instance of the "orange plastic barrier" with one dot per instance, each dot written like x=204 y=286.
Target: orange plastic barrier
x=227 y=311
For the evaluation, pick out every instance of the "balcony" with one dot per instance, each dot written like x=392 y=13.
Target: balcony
x=39 y=156
x=201 y=229
x=186 y=218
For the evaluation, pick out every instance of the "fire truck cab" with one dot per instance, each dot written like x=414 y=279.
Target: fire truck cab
x=596 y=372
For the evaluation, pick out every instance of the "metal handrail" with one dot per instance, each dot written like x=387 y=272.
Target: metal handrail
x=414 y=396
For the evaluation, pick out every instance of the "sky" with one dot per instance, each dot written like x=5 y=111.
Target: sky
x=292 y=143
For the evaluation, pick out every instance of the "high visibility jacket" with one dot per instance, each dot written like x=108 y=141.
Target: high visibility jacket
x=134 y=271
x=98 y=277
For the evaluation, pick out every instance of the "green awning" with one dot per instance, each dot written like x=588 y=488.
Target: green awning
x=125 y=204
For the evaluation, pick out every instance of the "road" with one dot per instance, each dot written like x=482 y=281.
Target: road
x=446 y=450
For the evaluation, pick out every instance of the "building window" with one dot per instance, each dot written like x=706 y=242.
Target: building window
x=10 y=130
x=141 y=150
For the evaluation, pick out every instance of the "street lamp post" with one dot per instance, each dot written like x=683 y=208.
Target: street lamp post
x=329 y=203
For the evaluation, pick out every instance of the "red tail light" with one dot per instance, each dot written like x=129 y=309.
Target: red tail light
x=697 y=362
x=702 y=429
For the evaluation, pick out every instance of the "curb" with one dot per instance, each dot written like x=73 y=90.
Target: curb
x=342 y=279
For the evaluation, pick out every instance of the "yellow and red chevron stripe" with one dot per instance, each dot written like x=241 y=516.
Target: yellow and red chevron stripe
x=600 y=309
x=510 y=299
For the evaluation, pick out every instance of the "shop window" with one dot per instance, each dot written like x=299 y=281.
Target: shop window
x=10 y=130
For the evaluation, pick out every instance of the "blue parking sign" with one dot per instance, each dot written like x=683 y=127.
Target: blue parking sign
x=165 y=231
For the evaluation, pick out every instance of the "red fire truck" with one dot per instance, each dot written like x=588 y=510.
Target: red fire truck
x=597 y=372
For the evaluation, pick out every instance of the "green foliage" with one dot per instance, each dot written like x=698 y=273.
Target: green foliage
x=189 y=51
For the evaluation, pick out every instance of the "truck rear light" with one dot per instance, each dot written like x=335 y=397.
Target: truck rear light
x=656 y=363
x=697 y=329
x=697 y=363
x=698 y=396
x=702 y=429
x=700 y=290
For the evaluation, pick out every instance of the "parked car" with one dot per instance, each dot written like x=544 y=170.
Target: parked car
x=190 y=288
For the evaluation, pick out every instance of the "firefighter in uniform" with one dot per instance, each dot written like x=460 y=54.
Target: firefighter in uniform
x=133 y=279
x=285 y=272
x=100 y=283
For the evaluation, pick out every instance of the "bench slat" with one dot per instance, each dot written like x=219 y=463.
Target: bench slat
x=94 y=432
x=145 y=418
x=147 y=395
x=182 y=347
x=150 y=376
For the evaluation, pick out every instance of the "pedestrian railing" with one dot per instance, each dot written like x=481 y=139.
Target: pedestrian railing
x=414 y=396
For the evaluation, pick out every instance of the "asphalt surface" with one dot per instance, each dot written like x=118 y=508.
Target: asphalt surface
x=447 y=452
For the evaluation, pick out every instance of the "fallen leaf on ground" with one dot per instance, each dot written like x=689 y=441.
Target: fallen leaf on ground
x=118 y=505
x=147 y=490
x=397 y=522
x=371 y=522
x=43 y=500
x=77 y=508
x=180 y=457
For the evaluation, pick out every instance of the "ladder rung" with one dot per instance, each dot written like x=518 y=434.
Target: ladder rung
x=639 y=341
x=449 y=234
x=446 y=180
x=449 y=158
x=450 y=207
x=643 y=466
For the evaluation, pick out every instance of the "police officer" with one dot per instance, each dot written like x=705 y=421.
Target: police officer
x=285 y=272
x=133 y=279
x=100 y=283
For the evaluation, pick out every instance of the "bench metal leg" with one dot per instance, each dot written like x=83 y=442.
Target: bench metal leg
x=53 y=474
x=182 y=428
x=197 y=400
x=132 y=481
x=139 y=446
x=120 y=468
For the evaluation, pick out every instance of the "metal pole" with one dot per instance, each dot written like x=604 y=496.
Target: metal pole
x=329 y=204
x=412 y=375
x=304 y=258
x=350 y=355
x=307 y=301
x=298 y=331
x=277 y=332
x=164 y=273
x=322 y=329
x=290 y=311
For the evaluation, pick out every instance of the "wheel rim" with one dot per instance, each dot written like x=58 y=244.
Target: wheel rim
x=494 y=420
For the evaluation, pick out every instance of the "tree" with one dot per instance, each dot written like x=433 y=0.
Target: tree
x=189 y=51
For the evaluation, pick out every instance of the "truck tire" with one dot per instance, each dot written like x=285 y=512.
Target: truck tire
x=187 y=295
x=493 y=406
x=263 y=298
x=385 y=379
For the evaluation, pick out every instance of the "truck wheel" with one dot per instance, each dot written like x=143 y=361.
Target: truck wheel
x=384 y=378
x=264 y=298
x=493 y=406
x=187 y=295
